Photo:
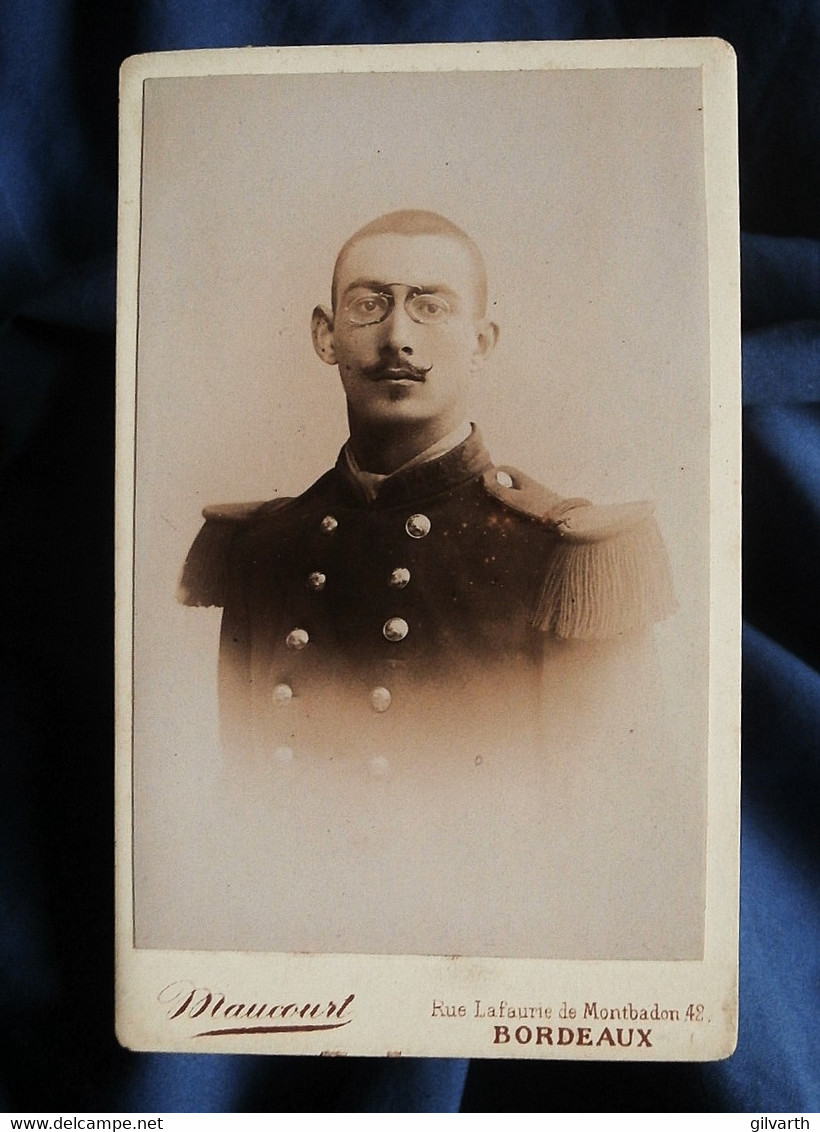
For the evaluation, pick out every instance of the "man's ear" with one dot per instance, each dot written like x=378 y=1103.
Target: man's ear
x=486 y=338
x=321 y=327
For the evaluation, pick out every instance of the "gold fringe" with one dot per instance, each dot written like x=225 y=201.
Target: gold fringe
x=602 y=589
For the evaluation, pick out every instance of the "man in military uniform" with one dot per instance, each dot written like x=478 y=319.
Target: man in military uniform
x=436 y=672
x=417 y=592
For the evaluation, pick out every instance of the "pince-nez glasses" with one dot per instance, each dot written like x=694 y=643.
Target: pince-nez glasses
x=367 y=307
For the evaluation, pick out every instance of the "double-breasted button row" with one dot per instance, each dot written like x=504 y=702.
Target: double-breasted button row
x=397 y=580
x=394 y=629
x=417 y=526
x=380 y=697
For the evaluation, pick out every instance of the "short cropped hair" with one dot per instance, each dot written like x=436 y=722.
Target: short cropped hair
x=417 y=222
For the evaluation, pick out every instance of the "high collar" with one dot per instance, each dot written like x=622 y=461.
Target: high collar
x=462 y=463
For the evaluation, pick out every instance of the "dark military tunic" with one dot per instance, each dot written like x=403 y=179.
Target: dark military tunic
x=437 y=709
x=436 y=610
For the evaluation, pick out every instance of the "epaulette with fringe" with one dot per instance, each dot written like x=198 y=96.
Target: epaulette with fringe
x=204 y=575
x=608 y=573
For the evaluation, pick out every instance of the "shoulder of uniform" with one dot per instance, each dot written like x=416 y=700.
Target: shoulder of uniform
x=235 y=513
x=582 y=522
x=608 y=574
x=520 y=493
x=572 y=519
x=204 y=576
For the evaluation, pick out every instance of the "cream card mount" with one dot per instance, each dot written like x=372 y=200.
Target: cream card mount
x=428 y=551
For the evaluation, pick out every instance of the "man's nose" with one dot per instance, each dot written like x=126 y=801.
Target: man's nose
x=398 y=330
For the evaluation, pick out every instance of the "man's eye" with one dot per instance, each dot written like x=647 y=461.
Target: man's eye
x=430 y=308
x=368 y=307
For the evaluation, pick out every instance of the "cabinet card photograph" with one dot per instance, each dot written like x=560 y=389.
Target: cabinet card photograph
x=428 y=529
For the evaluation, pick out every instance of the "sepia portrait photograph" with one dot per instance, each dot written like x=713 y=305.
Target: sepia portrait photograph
x=428 y=531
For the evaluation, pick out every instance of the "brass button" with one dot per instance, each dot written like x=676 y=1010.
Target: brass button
x=297 y=639
x=329 y=524
x=399 y=578
x=381 y=699
x=395 y=629
x=504 y=479
x=417 y=526
x=316 y=581
x=282 y=694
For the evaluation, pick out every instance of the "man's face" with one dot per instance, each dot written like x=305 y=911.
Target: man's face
x=406 y=333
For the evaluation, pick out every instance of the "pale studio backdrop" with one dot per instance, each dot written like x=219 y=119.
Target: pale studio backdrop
x=585 y=191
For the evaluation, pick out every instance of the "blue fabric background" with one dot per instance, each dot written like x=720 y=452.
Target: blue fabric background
x=58 y=140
